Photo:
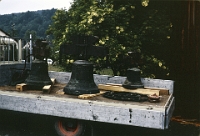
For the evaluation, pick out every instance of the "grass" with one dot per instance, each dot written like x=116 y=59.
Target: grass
x=106 y=71
x=56 y=68
x=61 y=69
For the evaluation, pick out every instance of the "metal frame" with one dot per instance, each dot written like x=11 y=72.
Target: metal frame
x=5 y=45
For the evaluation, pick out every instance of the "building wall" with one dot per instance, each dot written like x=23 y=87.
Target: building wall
x=2 y=33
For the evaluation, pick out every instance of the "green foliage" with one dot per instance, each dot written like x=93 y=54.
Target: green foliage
x=123 y=27
x=57 y=28
x=55 y=68
x=33 y=33
x=22 y=24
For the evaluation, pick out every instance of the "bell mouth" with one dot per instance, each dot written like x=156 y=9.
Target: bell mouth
x=82 y=80
x=36 y=84
x=38 y=76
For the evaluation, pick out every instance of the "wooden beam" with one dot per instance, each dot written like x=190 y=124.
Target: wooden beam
x=21 y=87
x=53 y=80
x=87 y=96
x=146 y=91
x=46 y=89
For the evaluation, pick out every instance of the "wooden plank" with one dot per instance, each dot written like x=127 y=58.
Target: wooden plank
x=46 y=89
x=53 y=80
x=114 y=84
x=162 y=91
x=60 y=91
x=21 y=87
x=119 y=88
x=87 y=96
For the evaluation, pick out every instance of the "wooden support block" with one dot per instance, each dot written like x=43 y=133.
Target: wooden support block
x=87 y=96
x=21 y=87
x=118 y=88
x=46 y=88
x=162 y=91
x=60 y=91
x=53 y=80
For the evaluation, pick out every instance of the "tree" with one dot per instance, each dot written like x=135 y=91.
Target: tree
x=123 y=27
x=27 y=35
x=32 y=20
x=56 y=29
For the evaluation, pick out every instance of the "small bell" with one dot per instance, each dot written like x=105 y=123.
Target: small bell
x=133 y=79
x=82 y=80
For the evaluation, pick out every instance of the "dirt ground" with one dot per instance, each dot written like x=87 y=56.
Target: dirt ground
x=25 y=124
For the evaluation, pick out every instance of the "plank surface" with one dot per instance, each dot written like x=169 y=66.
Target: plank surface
x=46 y=88
x=162 y=91
x=21 y=87
x=87 y=96
x=119 y=88
x=53 y=80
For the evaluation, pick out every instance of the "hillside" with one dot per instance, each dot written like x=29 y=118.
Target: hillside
x=21 y=24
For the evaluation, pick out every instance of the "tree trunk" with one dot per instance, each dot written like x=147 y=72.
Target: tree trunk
x=186 y=57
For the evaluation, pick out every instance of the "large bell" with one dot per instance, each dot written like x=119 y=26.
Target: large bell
x=38 y=76
x=82 y=81
x=133 y=79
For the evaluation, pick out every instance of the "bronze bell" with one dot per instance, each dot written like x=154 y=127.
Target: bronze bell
x=38 y=76
x=133 y=79
x=81 y=81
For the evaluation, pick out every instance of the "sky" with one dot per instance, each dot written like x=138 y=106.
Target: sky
x=18 y=6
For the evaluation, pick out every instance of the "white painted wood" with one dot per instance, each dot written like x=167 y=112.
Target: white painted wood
x=169 y=110
x=145 y=115
x=117 y=113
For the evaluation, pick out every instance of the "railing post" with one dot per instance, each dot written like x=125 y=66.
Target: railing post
x=8 y=48
x=31 y=50
x=20 y=50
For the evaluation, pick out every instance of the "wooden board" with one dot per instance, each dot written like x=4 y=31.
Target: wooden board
x=162 y=91
x=53 y=80
x=87 y=96
x=60 y=91
x=145 y=91
x=47 y=88
x=21 y=87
